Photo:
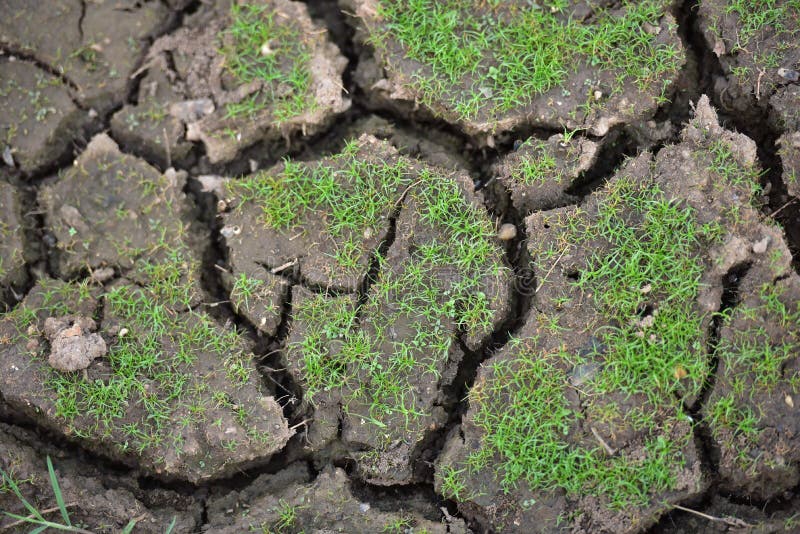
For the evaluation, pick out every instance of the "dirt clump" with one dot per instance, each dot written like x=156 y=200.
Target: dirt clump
x=257 y=72
x=93 y=498
x=117 y=228
x=539 y=172
x=789 y=151
x=758 y=56
x=385 y=289
x=175 y=392
x=38 y=118
x=14 y=249
x=290 y=501
x=327 y=251
x=73 y=342
x=423 y=61
x=97 y=49
x=579 y=421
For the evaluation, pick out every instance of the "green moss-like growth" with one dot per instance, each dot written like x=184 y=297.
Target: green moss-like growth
x=383 y=352
x=642 y=240
x=489 y=57
x=261 y=45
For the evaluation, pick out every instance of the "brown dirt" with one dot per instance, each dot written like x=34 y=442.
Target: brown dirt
x=790 y=157
x=751 y=62
x=289 y=501
x=684 y=172
x=37 y=115
x=306 y=249
x=12 y=243
x=186 y=66
x=96 y=50
x=94 y=498
x=115 y=228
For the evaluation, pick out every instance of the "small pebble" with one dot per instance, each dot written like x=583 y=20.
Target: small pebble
x=266 y=50
x=230 y=231
x=8 y=157
x=789 y=401
x=253 y=165
x=647 y=288
x=790 y=75
x=760 y=247
x=598 y=95
x=507 y=232
x=103 y=274
x=364 y=507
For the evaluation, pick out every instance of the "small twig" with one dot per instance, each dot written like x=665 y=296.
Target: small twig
x=301 y=423
x=551 y=269
x=777 y=211
x=730 y=521
x=283 y=267
x=758 y=83
x=405 y=192
x=606 y=446
x=166 y=147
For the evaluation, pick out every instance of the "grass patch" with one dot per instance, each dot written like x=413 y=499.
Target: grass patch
x=487 y=57
x=643 y=241
x=260 y=45
x=416 y=305
x=755 y=368
x=539 y=167
x=757 y=16
x=154 y=389
x=352 y=195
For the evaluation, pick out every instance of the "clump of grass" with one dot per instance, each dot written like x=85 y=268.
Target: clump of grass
x=757 y=16
x=539 y=167
x=723 y=163
x=754 y=362
x=152 y=357
x=484 y=58
x=354 y=195
x=429 y=295
x=260 y=45
x=642 y=240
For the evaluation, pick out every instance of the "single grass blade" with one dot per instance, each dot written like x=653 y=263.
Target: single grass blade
x=57 y=491
x=15 y=489
x=171 y=526
x=129 y=527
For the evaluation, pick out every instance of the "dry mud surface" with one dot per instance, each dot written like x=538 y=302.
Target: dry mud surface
x=281 y=266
